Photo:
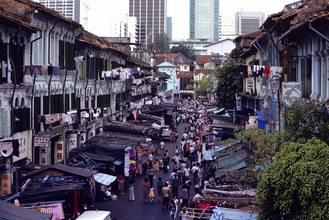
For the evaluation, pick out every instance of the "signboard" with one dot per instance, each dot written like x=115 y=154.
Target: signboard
x=72 y=140
x=91 y=133
x=250 y=85
x=58 y=151
x=44 y=156
x=41 y=141
x=6 y=149
x=23 y=140
x=5 y=188
x=54 y=208
x=291 y=92
x=82 y=139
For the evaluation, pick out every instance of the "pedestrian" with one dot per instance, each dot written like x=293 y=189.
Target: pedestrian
x=131 y=183
x=174 y=207
x=175 y=185
x=172 y=136
x=159 y=188
x=185 y=193
x=184 y=214
x=165 y=161
x=165 y=197
x=176 y=136
x=151 y=194
x=146 y=189
x=120 y=179
x=162 y=147
x=150 y=172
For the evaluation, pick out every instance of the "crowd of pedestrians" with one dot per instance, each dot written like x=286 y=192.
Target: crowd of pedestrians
x=183 y=164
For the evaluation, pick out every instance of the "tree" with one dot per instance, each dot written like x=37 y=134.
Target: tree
x=187 y=50
x=295 y=185
x=306 y=119
x=205 y=85
x=228 y=85
x=161 y=44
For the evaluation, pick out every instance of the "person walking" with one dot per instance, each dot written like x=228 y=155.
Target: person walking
x=159 y=188
x=184 y=214
x=165 y=161
x=150 y=172
x=175 y=185
x=131 y=183
x=165 y=197
x=174 y=207
x=120 y=179
x=146 y=189
x=185 y=193
x=162 y=147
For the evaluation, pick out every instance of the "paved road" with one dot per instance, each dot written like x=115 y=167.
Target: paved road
x=123 y=209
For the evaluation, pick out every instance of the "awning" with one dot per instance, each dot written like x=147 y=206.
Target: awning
x=104 y=179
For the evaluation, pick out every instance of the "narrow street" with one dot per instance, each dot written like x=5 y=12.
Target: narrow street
x=123 y=209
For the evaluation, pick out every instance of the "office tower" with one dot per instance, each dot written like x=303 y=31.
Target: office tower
x=227 y=27
x=151 y=19
x=169 y=27
x=68 y=8
x=248 y=21
x=204 y=19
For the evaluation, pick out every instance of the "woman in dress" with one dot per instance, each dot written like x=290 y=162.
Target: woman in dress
x=174 y=207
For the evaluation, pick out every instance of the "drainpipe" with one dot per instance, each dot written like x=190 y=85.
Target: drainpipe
x=51 y=75
x=14 y=89
x=33 y=84
x=65 y=75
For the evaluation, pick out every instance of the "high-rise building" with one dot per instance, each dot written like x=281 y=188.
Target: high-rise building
x=248 y=21
x=227 y=27
x=151 y=19
x=204 y=19
x=68 y=8
x=169 y=27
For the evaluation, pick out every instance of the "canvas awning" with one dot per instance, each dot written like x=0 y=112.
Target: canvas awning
x=104 y=179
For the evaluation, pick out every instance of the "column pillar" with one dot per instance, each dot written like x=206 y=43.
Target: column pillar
x=113 y=97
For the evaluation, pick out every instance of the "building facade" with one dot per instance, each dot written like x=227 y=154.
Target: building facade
x=204 y=19
x=248 y=21
x=68 y=8
x=151 y=19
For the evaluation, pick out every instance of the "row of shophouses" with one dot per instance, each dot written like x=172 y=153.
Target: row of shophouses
x=286 y=60
x=59 y=85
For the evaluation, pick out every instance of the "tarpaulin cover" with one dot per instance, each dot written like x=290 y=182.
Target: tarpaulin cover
x=13 y=212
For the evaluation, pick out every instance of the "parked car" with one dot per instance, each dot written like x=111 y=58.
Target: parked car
x=166 y=131
x=96 y=215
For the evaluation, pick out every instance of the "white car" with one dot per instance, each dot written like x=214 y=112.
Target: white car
x=96 y=215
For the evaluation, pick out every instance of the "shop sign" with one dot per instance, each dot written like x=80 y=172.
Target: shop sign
x=72 y=141
x=22 y=138
x=291 y=92
x=44 y=155
x=91 y=133
x=59 y=151
x=82 y=139
x=6 y=149
x=53 y=208
x=250 y=85
x=5 y=188
x=41 y=141
x=57 y=131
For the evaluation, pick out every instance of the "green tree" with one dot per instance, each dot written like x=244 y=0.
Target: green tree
x=205 y=85
x=306 y=119
x=296 y=184
x=187 y=50
x=228 y=85
x=161 y=44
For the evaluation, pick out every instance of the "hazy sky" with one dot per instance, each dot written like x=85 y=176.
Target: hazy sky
x=101 y=11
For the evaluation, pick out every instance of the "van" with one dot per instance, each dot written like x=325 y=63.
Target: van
x=96 y=215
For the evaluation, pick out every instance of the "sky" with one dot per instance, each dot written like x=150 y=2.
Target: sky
x=100 y=12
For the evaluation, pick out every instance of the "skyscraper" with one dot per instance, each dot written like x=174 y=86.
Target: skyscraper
x=151 y=19
x=204 y=19
x=68 y=8
x=248 y=21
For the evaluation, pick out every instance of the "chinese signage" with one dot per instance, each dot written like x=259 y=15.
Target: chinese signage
x=5 y=188
x=72 y=140
x=58 y=151
x=250 y=85
x=44 y=156
x=82 y=139
x=41 y=141
x=23 y=140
